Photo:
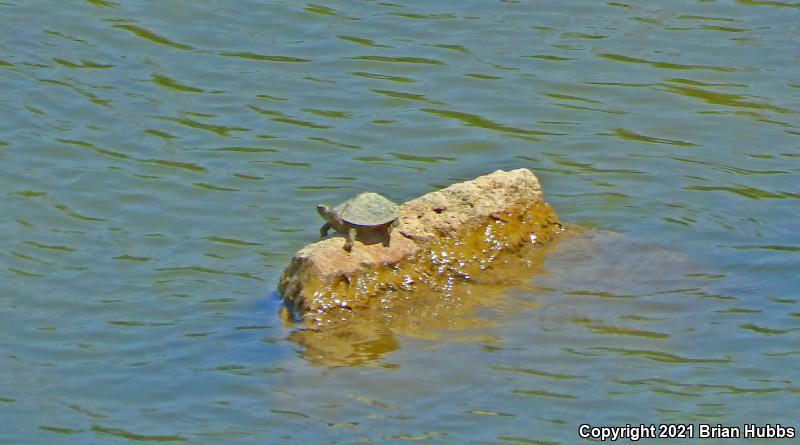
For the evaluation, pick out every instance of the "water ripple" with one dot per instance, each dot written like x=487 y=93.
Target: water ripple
x=733 y=100
x=474 y=120
x=153 y=37
x=402 y=59
x=664 y=65
x=265 y=57
x=627 y=134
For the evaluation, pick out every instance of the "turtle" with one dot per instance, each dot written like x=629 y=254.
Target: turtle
x=365 y=212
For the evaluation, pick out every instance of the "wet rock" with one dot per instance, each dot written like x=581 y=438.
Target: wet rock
x=442 y=237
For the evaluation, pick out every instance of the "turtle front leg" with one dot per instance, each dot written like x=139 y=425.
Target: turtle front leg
x=323 y=231
x=351 y=237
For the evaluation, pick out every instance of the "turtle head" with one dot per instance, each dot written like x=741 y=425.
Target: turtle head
x=328 y=214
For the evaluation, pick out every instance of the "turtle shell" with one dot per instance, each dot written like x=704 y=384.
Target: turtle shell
x=368 y=209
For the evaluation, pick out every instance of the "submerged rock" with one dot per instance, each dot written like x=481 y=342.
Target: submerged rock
x=442 y=237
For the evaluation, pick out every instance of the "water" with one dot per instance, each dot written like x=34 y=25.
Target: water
x=161 y=160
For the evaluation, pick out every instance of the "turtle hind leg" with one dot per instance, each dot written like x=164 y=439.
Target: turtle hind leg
x=323 y=231
x=388 y=232
x=351 y=237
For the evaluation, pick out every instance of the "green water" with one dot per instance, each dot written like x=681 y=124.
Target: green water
x=160 y=162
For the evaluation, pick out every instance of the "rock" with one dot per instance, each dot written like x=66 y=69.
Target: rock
x=447 y=235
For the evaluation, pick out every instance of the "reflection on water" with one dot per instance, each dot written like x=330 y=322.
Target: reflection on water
x=584 y=264
x=352 y=337
x=160 y=163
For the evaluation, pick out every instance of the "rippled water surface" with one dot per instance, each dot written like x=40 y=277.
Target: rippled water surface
x=161 y=160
